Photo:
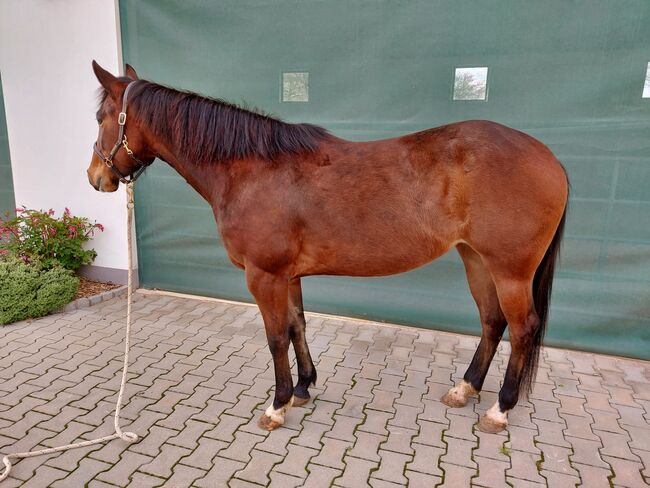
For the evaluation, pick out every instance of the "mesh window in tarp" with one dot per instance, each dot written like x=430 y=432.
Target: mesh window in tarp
x=569 y=73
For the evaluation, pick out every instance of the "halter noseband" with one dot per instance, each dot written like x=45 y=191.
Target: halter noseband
x=121 y=142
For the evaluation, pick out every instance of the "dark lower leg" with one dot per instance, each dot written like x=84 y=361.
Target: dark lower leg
x=279 y=347
x=297 y=328
x=522 y=335
x=478 y=368
x=522 y=348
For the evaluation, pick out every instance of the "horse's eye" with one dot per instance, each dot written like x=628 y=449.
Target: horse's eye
x=99 y=122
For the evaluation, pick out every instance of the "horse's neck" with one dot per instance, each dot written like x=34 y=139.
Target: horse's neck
x=205 y=179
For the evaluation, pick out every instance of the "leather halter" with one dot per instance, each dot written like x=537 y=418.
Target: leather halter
x=121 y=142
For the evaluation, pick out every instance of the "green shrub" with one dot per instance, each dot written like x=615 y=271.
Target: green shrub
x=39 y=236
x=27 y=290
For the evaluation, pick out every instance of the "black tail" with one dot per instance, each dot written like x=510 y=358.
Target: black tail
x=542 y=287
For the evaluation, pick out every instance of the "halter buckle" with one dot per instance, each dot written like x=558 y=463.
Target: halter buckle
x=121 y=119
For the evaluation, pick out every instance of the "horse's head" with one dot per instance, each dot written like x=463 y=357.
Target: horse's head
x=121 y=151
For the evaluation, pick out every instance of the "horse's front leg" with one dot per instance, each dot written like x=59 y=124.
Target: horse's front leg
x=271 y=293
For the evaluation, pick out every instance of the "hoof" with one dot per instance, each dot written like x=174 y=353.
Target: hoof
x=490 y=425
x=458 y=395
x=267 y=423
x=453 y=401
x=299 y=402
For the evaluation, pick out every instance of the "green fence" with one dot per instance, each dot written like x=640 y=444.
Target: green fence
x=569 y=73
x=7 y=202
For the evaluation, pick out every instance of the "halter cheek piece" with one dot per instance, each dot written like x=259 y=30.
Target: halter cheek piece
x=121 y=142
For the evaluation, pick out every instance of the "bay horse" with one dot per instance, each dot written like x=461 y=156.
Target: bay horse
x=293 y=200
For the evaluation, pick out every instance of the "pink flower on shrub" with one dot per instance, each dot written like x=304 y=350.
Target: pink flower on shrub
x=3 y=252
x=50 y=212
x=100 y=227
x=52 y=231
x=66 y=212
x=72 y=230
x=18 y=210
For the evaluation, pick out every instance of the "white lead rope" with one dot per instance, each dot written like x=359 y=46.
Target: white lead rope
x=126 y=436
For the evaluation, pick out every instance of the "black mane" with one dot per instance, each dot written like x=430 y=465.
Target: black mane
x=206 y=130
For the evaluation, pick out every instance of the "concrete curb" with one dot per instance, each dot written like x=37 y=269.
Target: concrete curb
x=93 y=300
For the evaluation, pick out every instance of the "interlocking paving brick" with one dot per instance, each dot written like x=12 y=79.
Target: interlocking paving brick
x=281 y=480
x=616 y=444
x=183 y=476
x=367 y=446
x=560 y=480
x=523 y=466
x=240 y=449
x=592 y=476
x=162 y=464
x=344 y=427
x=421 y=480
x=295 y=463
x=320 y=476
x=491 y=473
x=456 y=476
x=142 y=480
x=259 y=467
x=626 y=472
x=46 y=477
x=152 y=443
x=87 y=470
x=587 y=452
x=399 y=440
x=492 y=446
x=391 y=467
x=121 y=471
x=202 y=373
x=203 y=455
x=356 y=473
x=376 y=423
x=426 y=460
x=459 y=451
x=556 y=459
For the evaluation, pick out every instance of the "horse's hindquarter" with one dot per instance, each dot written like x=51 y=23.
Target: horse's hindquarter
x=516 y=193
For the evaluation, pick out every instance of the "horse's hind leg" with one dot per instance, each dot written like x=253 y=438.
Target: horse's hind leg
x=516 y=298
x=493 y=323
x=297 y=326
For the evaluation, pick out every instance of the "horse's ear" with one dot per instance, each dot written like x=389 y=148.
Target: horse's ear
x=106 y=79
x=130 y=72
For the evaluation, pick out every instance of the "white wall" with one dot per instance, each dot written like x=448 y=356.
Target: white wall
x=46 y=49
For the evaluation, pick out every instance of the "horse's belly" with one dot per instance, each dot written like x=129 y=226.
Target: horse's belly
x=370 y=260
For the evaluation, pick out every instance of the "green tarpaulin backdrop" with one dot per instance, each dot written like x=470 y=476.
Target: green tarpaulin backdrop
x=6 y=182
x=569 y=73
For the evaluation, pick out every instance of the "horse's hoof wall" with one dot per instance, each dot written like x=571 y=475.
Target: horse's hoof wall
x=299 y=402
x=267 y=423
x=458 y=395
x=453 y=401
x=490 y=425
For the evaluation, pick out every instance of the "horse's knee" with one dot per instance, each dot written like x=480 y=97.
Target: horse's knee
x=278 y=343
